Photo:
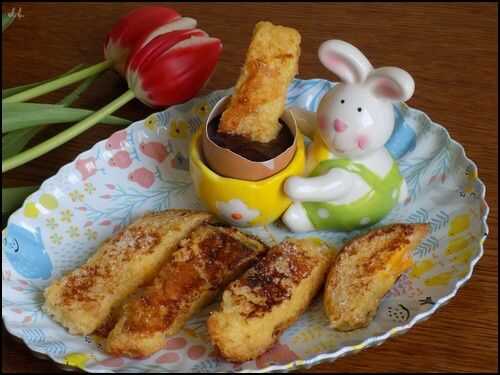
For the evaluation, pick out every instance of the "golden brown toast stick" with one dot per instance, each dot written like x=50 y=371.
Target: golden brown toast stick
x=203 y=265
x=268 y=298
x=261 y=90
x=82 y=300
x=365 y=270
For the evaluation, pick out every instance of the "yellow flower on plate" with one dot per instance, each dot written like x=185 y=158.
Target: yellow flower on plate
x=49 y=201
x=78 y=359
x=76 y=196
x=459 y=224
x=66 y=216
x=178 y=129
x=151 y=123
x=439 y=280
x=56 y=239
x=202 y=110
x=91 y=234
x=51 y=223
x=422 y=267
x=30 y=210
x=89 y=188
x=73 y=231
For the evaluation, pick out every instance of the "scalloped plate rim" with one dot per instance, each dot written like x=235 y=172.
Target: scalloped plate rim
x=343 y=351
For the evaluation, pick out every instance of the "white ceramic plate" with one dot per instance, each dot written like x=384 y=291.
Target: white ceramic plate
x=145 y=167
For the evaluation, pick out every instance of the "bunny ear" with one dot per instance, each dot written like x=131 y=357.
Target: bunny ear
x=391 y=83
x=345 y=60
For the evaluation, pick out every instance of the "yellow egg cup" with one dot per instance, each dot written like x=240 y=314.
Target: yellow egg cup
x=241 y=202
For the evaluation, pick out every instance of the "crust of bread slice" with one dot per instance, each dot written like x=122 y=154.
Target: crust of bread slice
x=268 y=298
x=205 y=262
x=365 y=270
x=83 y=299
x=260 y=93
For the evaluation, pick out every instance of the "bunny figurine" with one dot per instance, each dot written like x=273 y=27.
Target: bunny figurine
x=352 y=180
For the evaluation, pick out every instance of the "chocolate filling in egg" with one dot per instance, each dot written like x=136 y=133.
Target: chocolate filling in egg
x=251 y=150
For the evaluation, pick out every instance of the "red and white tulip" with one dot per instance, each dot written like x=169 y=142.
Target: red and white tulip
x=137 y=28
x=173 y=67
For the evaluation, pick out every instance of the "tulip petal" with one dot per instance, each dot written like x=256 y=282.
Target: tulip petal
x=181 y=24
x=178 y=73
x=158 y=46
x=133 y=29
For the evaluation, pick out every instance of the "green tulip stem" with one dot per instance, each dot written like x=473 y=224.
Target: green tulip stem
x=67 y=134
x=58 y=83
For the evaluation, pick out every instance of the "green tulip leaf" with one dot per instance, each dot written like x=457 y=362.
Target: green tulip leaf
x=15 y=142
x=14 y=90
x=13 y=198
x=6 y=21
x=17 y=116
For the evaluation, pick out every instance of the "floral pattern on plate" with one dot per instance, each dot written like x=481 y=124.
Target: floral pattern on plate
x=145 y=168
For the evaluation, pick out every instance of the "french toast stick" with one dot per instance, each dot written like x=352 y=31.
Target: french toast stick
x=365 y=270
x=82 y=300
x=261 y=90
x=205 y=262
x=268 y=298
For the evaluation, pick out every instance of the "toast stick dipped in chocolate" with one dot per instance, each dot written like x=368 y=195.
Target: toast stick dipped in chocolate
x=261 y=90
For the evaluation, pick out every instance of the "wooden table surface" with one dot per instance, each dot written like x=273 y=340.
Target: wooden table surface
x=451 y=51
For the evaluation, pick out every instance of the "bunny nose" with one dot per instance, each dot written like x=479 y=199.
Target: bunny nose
x=339 y=125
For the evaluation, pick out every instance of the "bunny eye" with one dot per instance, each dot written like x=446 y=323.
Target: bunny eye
x=359 y=109
x=342 y=101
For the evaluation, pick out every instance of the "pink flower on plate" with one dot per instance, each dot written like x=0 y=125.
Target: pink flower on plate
x=169 y=357
x=121 y=160
x=142 y=176
x=86 y=167
x=279 y=353
x=155 y=150
x=116 y=140
x=176 y=343
x=196 y=352
x=112 y=362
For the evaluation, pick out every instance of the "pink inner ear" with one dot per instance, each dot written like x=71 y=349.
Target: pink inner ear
x=386 y=88
x=339 y=66
x=333 y=59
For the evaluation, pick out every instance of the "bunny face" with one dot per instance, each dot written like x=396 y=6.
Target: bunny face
x=353 y=122
x=356 y=117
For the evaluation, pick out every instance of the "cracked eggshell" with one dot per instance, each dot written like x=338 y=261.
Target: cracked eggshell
x=229 y=164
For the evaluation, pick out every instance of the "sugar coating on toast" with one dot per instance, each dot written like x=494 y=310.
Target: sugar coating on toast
x=261 y=90
x=365 y=270
x=83 y=299
x=205 y=261
x=268 y=298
